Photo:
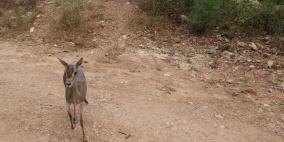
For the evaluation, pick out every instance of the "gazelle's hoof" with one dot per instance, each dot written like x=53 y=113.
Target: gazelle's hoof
x=75 y=121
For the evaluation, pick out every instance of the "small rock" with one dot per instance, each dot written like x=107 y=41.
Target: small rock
x=184 y=18
x=32 y=29
x=222 y=127
x=177 y=39
x=270 y=90
x=258 y=61
x=266 y=105
x=167 y=74
x=253 y=46
x=249 y=60
x=227 y=54
x=191 y=103
x=267 y=38
x=252 y=66
x=227 y=40
x=124 y=36
x=102 y=24
x=235 y=94
x=241 y=44
x=72 y=43
x=270 y=63
x=212 y=50
x=230 y=81
x=219 y=116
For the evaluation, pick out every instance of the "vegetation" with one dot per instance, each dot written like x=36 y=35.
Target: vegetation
x=205 y=14
x=70 y=13
x=17 y=14
x=231 y=15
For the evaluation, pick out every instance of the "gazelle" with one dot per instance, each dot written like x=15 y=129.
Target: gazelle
x=75 y=91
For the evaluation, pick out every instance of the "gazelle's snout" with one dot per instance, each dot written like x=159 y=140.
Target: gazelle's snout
x=68 y=83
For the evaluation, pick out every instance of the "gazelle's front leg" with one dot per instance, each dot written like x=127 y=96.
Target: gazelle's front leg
x=81 y=122
x=68 y=106
x=74 y=115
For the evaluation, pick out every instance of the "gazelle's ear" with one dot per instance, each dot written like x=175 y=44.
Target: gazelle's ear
x=79 y=63
x=63 y=62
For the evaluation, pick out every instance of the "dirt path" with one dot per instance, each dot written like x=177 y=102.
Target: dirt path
x=138 y=98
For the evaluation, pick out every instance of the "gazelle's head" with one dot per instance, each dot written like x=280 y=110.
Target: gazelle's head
x=70 y=71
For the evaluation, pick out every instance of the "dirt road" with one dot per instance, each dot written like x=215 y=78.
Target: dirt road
x=139 y=98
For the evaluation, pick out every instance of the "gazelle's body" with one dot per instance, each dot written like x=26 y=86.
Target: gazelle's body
x=75 y=91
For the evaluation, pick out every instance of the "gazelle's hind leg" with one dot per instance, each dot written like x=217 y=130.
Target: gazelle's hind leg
x=81 y=122
x=68 y=106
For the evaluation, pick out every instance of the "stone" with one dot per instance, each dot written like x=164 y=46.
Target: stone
x=227 y=54
x=32 y=29
x=102 y=24
x=184 y=18
x=124 y=36
x=265 y=105
x=270 y=63
x=212 y=50
x=219 y=116
x=267 y=38
x=251 y=66
x=167 y=74
x=241 y=44
x=253 y=46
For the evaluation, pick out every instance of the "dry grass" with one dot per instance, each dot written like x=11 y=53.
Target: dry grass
x=16 y=15
x=74 y=23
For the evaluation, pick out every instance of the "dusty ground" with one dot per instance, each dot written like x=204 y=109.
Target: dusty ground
x=135 y=95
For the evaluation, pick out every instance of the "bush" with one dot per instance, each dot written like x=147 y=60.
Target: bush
x=205 y=14
x=70 y=17
x=267 y=16
x=254 y=17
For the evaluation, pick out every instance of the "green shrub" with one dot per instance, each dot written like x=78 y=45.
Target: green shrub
x=205 y=14
x=232 y=16
x=267 y=16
